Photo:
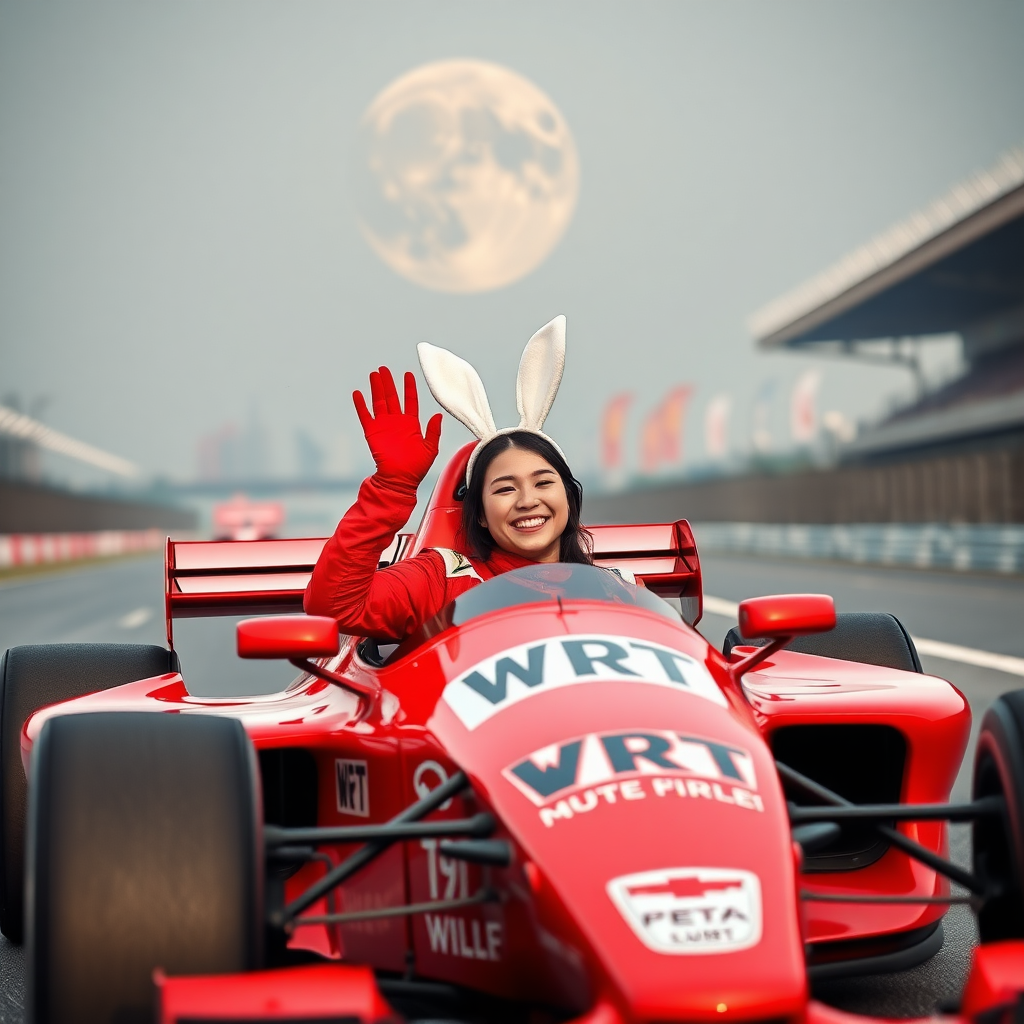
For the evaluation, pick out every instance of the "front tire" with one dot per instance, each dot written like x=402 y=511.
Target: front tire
x=33 y=677
x=999 y=842
x=144 y=850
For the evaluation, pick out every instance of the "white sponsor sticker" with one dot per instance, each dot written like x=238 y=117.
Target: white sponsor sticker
x=353 y=791
x=527 y=669
x=691 y=910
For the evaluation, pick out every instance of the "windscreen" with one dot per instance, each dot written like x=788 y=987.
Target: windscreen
x=536 y=584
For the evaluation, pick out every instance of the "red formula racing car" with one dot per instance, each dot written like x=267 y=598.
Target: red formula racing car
x=555 y=802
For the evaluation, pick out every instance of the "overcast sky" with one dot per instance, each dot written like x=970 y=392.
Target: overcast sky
x=178 y=245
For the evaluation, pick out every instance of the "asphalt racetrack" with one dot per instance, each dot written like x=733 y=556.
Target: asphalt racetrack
x=123 y=602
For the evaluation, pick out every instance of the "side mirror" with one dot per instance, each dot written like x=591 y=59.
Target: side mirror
x=288 y=636
x=786 y=615
x=778 y=619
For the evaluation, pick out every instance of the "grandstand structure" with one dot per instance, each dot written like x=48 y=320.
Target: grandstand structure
x=956 y=455
x=956 y=267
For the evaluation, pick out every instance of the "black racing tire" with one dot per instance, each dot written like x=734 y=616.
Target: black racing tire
x=145 y=850
x=31 y=678
x=871 y=638
x=999 y=842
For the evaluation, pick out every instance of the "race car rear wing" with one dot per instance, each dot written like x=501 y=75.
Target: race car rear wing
x=263 y=577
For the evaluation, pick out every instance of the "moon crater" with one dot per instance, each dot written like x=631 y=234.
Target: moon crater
x=466 y=177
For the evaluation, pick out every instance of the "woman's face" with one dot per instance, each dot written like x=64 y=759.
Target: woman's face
x=525 y=505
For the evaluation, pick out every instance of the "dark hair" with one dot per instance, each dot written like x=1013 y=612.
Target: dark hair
x=576 y=544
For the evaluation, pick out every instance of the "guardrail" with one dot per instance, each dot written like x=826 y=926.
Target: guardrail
x=995 y=548
x=26 y=549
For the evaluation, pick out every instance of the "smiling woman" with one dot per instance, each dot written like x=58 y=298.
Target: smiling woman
x=523 y=499
x=521 y=503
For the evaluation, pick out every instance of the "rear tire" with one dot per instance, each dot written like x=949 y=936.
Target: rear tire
x=32 y=678
x=871 y=638
x=144 y=850
x=999 y=842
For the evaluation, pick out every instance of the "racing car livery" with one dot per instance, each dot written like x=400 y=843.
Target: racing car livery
x=556 y=801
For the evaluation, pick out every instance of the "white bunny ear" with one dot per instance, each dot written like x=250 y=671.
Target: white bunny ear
x=540 y=373
x=457 y=388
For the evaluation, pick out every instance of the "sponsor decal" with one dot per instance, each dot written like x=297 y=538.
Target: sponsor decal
x=421 y=780
x=691 y=910
x=457 y=565
x=448 y=879
x=452 y=934
x=528 y=669
x=470 y=940
x=353 y=791
x=576 y=776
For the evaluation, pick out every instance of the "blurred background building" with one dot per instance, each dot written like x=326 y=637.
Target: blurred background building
x=33 y=502
x=955 y=453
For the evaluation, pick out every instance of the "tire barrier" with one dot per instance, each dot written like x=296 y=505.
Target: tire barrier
x=26 y=549
x=919 y=545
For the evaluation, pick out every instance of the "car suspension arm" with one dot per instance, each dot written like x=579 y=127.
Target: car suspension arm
x=281 y=917
x=478 y=826
x=365 y=691
x=986 y=807
x=897 y=839
x=838 y=897
x=435 y=906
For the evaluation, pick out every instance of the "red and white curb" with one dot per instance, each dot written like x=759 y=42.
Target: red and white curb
x=25 y=549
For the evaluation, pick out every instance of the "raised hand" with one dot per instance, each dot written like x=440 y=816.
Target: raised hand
x=400 y=449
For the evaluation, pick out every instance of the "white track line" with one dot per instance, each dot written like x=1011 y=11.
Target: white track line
x=719 y=606
x=134 y=619
x=970 y=656
x=935 y=648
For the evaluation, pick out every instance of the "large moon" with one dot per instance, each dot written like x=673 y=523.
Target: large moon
x=466 y=176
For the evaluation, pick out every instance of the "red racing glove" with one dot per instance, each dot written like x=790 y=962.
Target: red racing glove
x=401 y=452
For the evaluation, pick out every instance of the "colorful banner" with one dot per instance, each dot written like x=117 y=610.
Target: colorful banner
x=651 y=442
x=613 y=428
x=662 y=437
x=673 y=420
x=716 y=426
x=803 y=414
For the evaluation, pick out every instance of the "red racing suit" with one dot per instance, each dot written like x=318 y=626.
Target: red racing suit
x=390 y=603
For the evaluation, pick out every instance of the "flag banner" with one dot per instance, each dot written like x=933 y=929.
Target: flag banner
x=613 y=428
x=673 y=420
x=716 y=426
x=803 y=415
x=650 y=442
x=662 y=436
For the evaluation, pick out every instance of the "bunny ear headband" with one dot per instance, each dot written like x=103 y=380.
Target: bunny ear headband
x=457 y=387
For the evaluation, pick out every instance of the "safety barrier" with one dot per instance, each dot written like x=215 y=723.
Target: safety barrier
x=925 y=546
x=24 y=549
x=994 y=548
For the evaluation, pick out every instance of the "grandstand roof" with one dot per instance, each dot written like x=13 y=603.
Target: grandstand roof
x=956 y=266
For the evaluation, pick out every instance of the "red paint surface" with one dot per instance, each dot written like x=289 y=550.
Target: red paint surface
x=786 y=615
x=287 y=636
x=315 y=992
x=996 y=978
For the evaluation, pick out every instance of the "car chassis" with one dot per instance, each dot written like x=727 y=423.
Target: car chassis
x=598 y=972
